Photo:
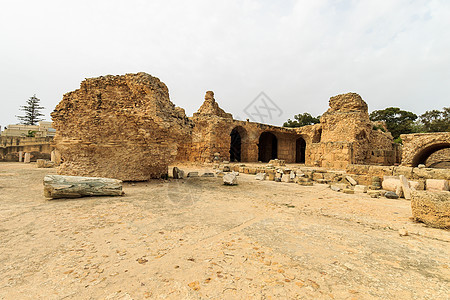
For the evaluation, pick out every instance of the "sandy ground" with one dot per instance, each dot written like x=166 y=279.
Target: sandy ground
x=198 y=239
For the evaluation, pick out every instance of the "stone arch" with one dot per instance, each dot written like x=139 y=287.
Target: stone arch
x=267 y=146
x=417 y=147
x=421 y=156
x=238 y=144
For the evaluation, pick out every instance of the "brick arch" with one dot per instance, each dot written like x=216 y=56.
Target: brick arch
x=417 y=147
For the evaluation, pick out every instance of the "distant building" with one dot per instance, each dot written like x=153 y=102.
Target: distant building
x=44 y=129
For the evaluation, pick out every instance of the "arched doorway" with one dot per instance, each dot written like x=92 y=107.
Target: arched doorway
x=300 y=147
x=235 y=145
x=267 y=147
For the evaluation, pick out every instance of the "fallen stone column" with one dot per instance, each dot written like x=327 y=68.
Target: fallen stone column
x=58 y=186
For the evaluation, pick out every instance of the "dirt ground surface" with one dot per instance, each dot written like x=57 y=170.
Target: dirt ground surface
x=198 y=239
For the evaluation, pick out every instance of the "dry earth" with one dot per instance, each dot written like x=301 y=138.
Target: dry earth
x=198 y=239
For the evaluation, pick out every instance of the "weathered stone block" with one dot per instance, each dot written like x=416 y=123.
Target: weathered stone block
x=360 y=188
x=431 y=208
x=436 y=185
x=230 y=179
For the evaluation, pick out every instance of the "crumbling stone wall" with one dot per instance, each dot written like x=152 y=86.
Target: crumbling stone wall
x=348 y=136
x=122 y=127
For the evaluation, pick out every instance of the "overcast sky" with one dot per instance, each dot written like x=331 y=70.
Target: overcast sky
x=299 y=53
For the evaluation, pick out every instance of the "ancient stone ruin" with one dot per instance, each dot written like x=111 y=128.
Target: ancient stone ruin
x=122 y=127
x=125 y=127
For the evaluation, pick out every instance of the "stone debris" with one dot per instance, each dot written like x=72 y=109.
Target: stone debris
x=230 y=179
x=335 y=188
x=360 y=188
x=348 y=191
x=405 y=187
x=286 y=178
x=431 y=208
x=374 y=194
x=260 y=176
x=277 y=162
x=43 y=163
x=58 y=186
x=402 y=232
x=192 y=174
x=351 y=180
x=436 y=185
x=177 y=173
x=391 y=195
x=208 y=174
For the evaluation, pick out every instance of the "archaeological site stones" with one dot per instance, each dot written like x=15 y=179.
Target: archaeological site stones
x=122 y=127
x=126 y=127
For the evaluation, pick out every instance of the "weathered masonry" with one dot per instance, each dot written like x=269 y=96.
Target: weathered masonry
x=419 y=148
x=126 y=127
x=344 y=136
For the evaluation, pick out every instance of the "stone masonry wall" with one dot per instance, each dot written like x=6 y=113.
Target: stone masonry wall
x=122 y=127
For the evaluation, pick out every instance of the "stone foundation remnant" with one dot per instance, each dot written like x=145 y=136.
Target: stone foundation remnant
x=431 y=208
x=122 y=127
x=57 y=186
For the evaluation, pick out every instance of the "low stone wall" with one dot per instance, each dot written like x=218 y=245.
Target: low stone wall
x=364 y=173
x=10 y=146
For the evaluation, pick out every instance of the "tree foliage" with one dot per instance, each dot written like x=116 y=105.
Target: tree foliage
x=397 y=121
x=302 y=120
x=435 y=120
x=32 y=112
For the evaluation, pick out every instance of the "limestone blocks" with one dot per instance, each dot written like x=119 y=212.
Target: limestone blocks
x=122 y=127
x=431 y=208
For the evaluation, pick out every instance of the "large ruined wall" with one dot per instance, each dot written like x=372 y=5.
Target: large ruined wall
x=122 y=127
x=348 y=136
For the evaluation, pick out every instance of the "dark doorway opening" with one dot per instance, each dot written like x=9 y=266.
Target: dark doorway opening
x=235 y=146
x=267 y=147
x=300 y=147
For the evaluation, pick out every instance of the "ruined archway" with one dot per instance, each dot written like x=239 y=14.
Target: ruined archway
x=422 y=156
x=300 y=150
x=235 y=145
x=267 y=147
x=417 y=147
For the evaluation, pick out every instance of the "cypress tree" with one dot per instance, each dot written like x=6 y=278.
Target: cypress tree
x=32 y=112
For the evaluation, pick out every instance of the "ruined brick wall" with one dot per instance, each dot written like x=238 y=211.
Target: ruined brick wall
x=122 y=127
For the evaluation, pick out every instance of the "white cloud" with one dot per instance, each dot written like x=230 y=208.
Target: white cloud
x=394 y=53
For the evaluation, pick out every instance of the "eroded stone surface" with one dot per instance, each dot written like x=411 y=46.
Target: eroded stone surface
x=122 y=127
x=431 y=208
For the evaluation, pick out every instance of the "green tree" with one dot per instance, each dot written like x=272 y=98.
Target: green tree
x=32 y=112
x=302 y=120
x=436 y=120
x=397 y=121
